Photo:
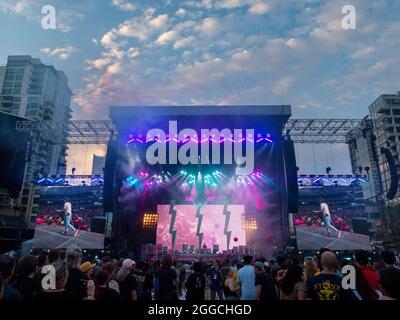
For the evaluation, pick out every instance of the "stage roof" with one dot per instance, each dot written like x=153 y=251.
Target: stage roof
x=233 y=110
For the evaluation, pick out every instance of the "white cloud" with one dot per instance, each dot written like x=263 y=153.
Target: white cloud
x=363 y=52
x=180 y=12
x=114 y=68
x=108 y=39
x=246 y=62
x=98 y=63
x=14 y=7
x=283 y=85
x=166 y=37
x=139 y=27
x=260 y=8
x=209 y=26
x=123 y=5
x=230 y=4
x=241 y=55
x=61 y=53
x=183 y=26
x=203 y=4
x=181 y=43
x=67 y=17
x=292 y=43
x=133 y=53
x=159 y=22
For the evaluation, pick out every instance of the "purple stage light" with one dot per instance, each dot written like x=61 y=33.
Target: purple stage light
x=131 y=139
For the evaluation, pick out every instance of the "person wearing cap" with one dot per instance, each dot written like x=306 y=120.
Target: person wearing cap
x=265 y=287
x=127 y=281
x=87 y=268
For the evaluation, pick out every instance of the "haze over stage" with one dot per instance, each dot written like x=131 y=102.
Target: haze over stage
x=50 y=236
x=314 y=238
x=154 y=172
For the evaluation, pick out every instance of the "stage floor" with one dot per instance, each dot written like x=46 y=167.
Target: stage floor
x=50 y=237
x=314 y=238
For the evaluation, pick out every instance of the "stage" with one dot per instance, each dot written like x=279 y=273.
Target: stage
x=200 y=175
x=50 y=237
x=314 y=238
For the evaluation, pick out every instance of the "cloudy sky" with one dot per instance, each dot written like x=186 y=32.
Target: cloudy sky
x=121 y=52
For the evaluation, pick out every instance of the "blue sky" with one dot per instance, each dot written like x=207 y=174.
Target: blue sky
x=120 y=52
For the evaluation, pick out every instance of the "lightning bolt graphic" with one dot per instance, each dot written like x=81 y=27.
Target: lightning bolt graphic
x=227 y=215
x=199 y=221
x=172 y=232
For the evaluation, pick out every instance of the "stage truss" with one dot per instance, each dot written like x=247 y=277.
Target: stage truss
x=100 y=131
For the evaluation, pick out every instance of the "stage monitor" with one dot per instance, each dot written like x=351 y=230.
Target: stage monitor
x=337 y=231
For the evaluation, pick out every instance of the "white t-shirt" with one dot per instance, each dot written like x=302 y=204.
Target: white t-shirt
x=68 y=208
x=325 y=209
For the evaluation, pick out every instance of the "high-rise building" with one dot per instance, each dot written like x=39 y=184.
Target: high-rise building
x=2 y=73
x=33 y=90
x=364 y=159
x=385 y=115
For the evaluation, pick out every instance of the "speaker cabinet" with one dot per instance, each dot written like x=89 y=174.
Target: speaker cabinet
x=98 y=225
x=291 y=175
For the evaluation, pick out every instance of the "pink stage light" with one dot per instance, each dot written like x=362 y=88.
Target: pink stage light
x=157 y=139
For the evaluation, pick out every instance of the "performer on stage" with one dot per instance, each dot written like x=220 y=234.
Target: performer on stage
x=68 y=216
x=326 y=217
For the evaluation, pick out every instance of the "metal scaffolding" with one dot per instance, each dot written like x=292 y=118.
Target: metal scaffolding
x=300 y=130
x=320 y=130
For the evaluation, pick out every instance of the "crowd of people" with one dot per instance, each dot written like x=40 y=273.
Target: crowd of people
x=309 y=278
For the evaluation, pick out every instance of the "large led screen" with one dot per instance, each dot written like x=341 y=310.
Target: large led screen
x=185 y=220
